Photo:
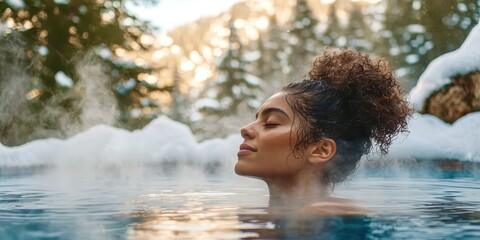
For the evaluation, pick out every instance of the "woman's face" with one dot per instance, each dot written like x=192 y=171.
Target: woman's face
x=267 y=149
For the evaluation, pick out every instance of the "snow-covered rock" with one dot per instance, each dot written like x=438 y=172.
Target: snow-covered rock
x=440 y=71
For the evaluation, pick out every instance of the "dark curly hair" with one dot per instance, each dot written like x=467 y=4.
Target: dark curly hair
x=353 y=99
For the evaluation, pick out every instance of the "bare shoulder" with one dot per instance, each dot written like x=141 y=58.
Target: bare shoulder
x=335 y=207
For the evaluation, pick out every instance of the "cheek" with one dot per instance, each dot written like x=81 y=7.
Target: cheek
x=280 y=155
x=279 y=146
x=280 y=143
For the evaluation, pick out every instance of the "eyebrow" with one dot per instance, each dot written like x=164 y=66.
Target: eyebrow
x=268 y=111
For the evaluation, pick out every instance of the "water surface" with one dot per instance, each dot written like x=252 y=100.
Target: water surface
x=146 y=203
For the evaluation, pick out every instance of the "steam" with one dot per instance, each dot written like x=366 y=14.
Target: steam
x=14 y=81
x=93 y=101
x=90 y=102
x=84 y=145
x=98 y=104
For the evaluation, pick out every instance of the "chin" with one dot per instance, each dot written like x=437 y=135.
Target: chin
x=238 y=169
x=241 y=169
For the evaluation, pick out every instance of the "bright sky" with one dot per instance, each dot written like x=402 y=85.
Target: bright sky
x=168 y=14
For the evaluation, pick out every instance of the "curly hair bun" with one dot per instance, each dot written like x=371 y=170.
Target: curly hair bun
x=370 y=91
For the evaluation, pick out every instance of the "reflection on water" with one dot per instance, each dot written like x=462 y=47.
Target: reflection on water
x=153 y=206
x=235 y=223
x=206 y=223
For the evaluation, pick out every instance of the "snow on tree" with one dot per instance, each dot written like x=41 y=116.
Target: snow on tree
x=418 y=31
x=233 y=83
x=303 y=37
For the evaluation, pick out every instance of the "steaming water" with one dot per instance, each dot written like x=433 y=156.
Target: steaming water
x=159 y=183
x=148 y=203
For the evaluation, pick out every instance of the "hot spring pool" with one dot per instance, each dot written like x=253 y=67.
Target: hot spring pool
x=143 y=203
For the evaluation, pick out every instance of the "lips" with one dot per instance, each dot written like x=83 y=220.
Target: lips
x=245 y=146
x=246 y=149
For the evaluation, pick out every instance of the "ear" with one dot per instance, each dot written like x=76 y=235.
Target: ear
x=322 y=151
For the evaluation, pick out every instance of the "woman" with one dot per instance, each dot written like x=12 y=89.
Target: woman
x=311 y=135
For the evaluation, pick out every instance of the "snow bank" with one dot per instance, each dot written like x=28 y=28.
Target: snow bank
x=164 y=140
x=439 y=72
x=431 y=138
x=160 y=141
x=167 y=141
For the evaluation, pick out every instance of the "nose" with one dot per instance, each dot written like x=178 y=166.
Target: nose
x=248 y=132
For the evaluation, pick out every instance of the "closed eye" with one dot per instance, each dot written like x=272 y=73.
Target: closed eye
x=270 y=125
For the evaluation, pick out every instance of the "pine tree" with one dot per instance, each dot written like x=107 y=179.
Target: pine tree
x=278 y=47
x=272 y=62
x=55 y=36
x=178 y=109
x=303 y=38
x=233 y=84
x=358 y=34
x=263 y=64
x=334 y=29
x=418 y=31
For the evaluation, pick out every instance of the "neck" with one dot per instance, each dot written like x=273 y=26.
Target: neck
x=295 y=192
